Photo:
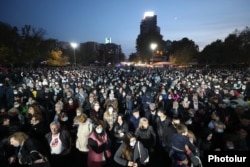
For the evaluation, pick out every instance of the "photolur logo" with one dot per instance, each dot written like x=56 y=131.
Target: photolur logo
x=235 y=158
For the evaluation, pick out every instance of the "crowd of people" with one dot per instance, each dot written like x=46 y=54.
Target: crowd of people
x=122 y=116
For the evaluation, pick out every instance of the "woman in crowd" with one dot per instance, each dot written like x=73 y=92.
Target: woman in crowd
x=111 y=100
x=120 y=129
x=79 y=111
x=61 y=116
x=175 y=95
x=75 y=124
x=99 y=146
x=28 y=152
x=17 y=120
x=83 y=131
x=109 y=118
x=38 y=127
x=33 y=109
x=160 y=101
x=138 y=85
x=146 y=135
x=131 y=152
x=96 y=113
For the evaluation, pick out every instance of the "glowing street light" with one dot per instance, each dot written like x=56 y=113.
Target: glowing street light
x=74 y=45
x=153 y=46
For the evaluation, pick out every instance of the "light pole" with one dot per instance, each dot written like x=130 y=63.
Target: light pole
x=74 y=45
x=153 y=47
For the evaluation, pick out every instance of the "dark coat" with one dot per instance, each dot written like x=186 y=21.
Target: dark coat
x=66 y=139
x=179 y=141
x=25 y=152
x=38 y=131
x=169 y=131
x=146 y=136
x=136 y=156
x=123 y=128
x=133 y=123
x=2 y=97
x=95 y=116
x=161 y=126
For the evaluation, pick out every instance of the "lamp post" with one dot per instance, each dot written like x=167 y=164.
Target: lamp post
x=153 y=47
x=74 y=45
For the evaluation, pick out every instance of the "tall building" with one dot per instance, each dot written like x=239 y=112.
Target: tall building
x=149 y=23
x=108 y=40
x=111 y=53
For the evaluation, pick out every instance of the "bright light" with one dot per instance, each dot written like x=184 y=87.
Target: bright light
x=153 y=46
x=73 y=44
x=148 y=14
x=126 y=63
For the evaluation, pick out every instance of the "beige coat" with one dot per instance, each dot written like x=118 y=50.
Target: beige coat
x=83 y=133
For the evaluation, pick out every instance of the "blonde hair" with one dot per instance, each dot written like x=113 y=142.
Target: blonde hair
x=127 y=149
x=60 y=104
x=191 y=135
x=181 y=128
x=142 y=120
x=19 y=136
x=82 y=118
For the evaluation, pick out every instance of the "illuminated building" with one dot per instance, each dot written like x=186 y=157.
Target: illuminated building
x=149 y=23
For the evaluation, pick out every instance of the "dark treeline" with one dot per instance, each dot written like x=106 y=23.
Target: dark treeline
x=234 y=49
x=27 y=46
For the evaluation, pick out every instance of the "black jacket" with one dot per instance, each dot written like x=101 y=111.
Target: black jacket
x=137 y=156
x=120 y=129
x=146 y=136
x=25 y=152
x=66 y=139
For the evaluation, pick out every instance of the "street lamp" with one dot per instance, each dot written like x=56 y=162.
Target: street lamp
x=153 y=47
x=74 y=45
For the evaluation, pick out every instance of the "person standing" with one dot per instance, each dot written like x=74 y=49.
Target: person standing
x=131 y=152
x=109 y=117
x=97 y=112
x=121 y=127
x=99 y=146
x=60 y=145
x=84 y=129
x=38 y=128
x=163 y=121
x=112 y=100
x=134 y=120
x=147 y=136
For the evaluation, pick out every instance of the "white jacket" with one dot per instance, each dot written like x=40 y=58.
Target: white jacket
x=83 y=131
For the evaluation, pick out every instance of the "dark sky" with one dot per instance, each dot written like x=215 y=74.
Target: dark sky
x=202 y=21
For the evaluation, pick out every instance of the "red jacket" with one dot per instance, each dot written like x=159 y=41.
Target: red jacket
x=98 y=149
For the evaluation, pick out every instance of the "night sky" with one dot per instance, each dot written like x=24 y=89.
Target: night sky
x=202 y=21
